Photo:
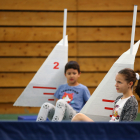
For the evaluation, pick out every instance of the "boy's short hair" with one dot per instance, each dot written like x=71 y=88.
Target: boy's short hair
x=72 y=65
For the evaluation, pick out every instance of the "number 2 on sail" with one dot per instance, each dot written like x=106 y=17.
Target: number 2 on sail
x=56 y=65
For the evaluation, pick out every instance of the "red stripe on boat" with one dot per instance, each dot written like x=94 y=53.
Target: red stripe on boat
x=108 y=108
x=48 y=93
x=105 y=100
x=50 y=99
x=45 y=87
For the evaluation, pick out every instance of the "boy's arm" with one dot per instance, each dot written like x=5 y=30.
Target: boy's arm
x=86 y=94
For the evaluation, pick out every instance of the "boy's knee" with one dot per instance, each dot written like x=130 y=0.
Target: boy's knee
x=46 y=105
x=60 y=103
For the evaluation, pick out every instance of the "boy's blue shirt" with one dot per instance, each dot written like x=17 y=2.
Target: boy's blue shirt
x=76 y=96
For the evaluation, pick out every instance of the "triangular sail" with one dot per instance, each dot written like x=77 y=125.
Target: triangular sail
x=100 y=105
x=47 y=79
x=50 y=75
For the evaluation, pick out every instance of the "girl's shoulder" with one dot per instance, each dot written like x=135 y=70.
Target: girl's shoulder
x=132 y=101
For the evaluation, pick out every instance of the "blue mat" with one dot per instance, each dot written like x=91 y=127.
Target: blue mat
x=29 y=130
x=29 y=118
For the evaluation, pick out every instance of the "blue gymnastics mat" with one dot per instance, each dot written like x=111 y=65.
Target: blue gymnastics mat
x=29 y=130
x=24 y=117
x=29 y=118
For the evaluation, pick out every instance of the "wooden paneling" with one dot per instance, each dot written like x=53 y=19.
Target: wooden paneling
x=106 y=18
x=10 y=109
x=73 y=18
x=107 y=34
x=55 y=34
x=38 y=4
x=69 y=4
x=75 y=49
x=103 y=49
x=9 y=95
x=33 y=64
x=33 y=49
x=15 y=79
x=36 y=18
x=35 y=34
x=107 y=5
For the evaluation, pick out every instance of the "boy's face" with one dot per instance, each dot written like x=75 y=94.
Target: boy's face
x=72 y=75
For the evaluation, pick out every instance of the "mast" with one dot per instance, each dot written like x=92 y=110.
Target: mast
x=133 y=28
x=64 y=26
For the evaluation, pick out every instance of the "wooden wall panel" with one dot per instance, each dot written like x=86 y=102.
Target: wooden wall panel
x=36 y=18
x=9 y=95
x=33 y=49
x=15 y=79
x=10 y=109
x=73 y=18
x=91 y=49
x=55 y=34
x=106 y=5
x=69 y=4
x=38 y=4
x=104 y=49
x=35 y=34
x=107 y=34
x=106 y=18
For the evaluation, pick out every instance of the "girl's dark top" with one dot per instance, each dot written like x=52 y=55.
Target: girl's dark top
x=130 y=109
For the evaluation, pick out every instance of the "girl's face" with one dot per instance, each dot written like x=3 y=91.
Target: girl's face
x=72 y=76
x=122 y=85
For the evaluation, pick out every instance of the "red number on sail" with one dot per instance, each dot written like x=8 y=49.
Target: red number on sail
x=56 y=66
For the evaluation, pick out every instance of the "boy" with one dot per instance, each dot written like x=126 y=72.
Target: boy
x=71 y=97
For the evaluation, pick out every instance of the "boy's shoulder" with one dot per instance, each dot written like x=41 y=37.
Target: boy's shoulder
x=82 y=86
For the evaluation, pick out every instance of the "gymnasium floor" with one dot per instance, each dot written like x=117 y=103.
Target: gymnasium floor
x=15 y=116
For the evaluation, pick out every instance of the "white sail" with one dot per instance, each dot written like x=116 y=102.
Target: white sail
x=100 y=105
x=47 y=79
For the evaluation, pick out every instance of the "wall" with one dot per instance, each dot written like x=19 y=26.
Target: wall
x=98 y=33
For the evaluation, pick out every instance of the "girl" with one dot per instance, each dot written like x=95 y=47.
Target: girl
x=126 y=105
